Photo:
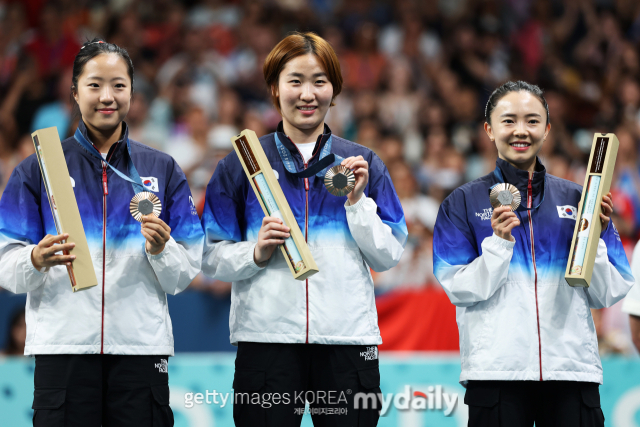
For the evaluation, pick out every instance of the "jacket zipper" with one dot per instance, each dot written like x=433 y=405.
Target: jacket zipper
x=105 y=191
x=535 y=270
x=306 y=228
x=306 y=232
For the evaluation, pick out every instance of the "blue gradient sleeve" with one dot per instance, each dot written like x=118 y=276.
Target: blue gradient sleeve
x=222 y=212
x=182 y=216
x=616 y=253
x=382 y=191
x=20 y=206
x=451 y=238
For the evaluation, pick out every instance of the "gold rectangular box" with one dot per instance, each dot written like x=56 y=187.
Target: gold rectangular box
x=64 y=207
x=586 y=234
x=271 y=198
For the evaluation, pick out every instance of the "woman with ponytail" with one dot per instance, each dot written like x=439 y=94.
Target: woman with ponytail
x=101 y=353
x=527 y=340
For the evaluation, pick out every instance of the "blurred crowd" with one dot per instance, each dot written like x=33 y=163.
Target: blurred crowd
x=417 y=77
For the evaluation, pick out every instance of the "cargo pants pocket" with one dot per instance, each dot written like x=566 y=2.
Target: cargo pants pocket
x=246 y=384
x=483 y=406
x=369 y=379
x=162 y=413
x=590 y=411
x=48 y=407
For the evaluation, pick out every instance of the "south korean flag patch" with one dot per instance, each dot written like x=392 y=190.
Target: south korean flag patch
x=568 y=212
x=150 y=183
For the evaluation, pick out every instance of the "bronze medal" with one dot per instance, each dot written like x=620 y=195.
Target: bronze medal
x=145 y=203
x=339 y=180
x=505 y=195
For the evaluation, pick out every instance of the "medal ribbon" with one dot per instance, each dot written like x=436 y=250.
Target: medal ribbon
x=134 y=176
x=498 y=174
x=327 y=160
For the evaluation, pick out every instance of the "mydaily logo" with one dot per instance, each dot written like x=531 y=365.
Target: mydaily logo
x=435 y=399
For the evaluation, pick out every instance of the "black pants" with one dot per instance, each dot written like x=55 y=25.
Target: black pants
x=92 y=390
x=521 y=403
x=273 y=382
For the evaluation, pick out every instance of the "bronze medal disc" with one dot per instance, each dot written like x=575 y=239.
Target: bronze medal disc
x=145 y=203
x=505 y=195
x=339 y=180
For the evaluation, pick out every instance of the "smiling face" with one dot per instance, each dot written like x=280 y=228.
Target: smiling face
x=103 y=92
x=518 y=127
x=305 y=94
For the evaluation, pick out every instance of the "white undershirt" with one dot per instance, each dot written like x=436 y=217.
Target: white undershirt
x=104 y=155
x=306 y=150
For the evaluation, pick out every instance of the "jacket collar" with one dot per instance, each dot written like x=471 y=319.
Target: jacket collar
x=286 y=141
x=520 y=178
x=116 y=149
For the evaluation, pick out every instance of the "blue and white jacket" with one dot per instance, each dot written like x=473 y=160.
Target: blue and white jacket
x=334 y=306
x=127 y=312
x=517 y=317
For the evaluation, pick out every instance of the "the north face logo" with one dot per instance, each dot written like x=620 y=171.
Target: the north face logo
x=370 y=354
x=162 y=366
x=485 y=214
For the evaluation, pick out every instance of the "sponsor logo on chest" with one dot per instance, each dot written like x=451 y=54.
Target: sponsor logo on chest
x=485 y=214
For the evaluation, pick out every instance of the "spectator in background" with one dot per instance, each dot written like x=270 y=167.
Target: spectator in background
x=58 y=112
x=415 y=268
x=364 y=65
x=52 y=49
x=16 y=336
x=628 y=172
x=196 y=68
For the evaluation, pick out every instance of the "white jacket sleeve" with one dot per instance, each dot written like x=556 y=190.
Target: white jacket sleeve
x=477 y=281
x=17 y=273
x=230 y=261
x=180 y=260
x=227 y=256
x=608 y=282
x=176 y=266
x=379 y=246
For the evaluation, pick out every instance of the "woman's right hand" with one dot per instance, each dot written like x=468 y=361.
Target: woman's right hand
x=44 y=254
x=503 y=220
x=271 y=234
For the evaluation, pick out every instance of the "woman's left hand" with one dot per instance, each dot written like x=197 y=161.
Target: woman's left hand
x=360 y=168
x=607 y=210
x=156 y=232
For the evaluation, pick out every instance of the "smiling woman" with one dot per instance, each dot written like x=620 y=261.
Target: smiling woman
x=102 y=85
x=98 y=351
x=527 y=340
x=303 y=75
x=295 y=337
x=517 y=120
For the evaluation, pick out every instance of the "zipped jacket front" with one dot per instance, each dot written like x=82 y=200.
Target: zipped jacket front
x=127 y=312
x=518 y=319
x=334 y=306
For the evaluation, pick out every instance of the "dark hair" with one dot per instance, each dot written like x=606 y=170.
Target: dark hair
x=90 y=50
x=518 y=86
